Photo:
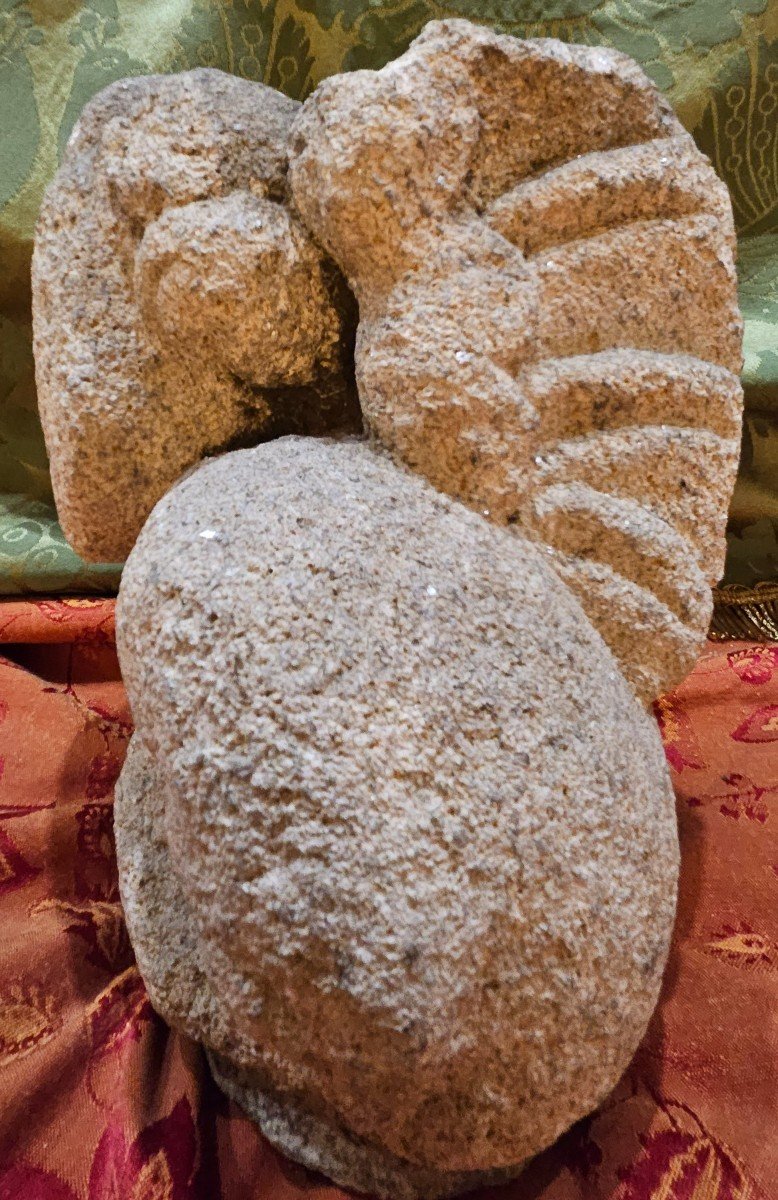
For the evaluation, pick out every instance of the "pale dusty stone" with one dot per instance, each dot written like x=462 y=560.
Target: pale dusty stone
x=163 y=935
x=548 y=318
x=180 y=307
x=396 y=840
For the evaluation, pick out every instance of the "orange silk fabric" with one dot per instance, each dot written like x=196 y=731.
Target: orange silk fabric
x=99 y=1100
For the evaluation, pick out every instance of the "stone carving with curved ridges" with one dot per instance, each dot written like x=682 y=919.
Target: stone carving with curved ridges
x=548 y=318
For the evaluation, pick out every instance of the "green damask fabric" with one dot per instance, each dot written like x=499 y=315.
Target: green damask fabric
x=717 y=60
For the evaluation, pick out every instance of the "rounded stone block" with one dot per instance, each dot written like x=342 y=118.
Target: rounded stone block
x=396 y=840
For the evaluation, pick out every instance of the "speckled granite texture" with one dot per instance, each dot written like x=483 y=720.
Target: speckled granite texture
x=397 y=841
x=180 y=307
x=548 y=326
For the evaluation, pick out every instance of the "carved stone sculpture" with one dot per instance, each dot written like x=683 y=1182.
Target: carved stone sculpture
x=180 y=306
x=548 y=312
x=395 y=834
x=396 y=840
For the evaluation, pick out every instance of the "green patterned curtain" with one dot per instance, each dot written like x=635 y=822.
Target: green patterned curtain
x=717 y=60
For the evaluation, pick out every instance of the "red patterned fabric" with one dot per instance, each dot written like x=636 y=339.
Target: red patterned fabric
x=99 y=1100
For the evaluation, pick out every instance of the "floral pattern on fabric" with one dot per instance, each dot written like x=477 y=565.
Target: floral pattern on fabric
x=99 y=1100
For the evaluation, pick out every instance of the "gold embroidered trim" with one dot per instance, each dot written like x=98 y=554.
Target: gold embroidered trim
x=745 y=613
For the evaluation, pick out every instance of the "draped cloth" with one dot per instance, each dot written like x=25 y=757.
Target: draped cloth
x=100 y=1100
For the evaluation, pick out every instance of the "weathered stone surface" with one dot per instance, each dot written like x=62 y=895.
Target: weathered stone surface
x=396 y=840
x=548 y=319
x=180 y=307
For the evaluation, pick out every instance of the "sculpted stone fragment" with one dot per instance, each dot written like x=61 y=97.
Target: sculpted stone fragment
x=395 y=834
x=396 y=840
x=548 y=318
x=180 y=306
